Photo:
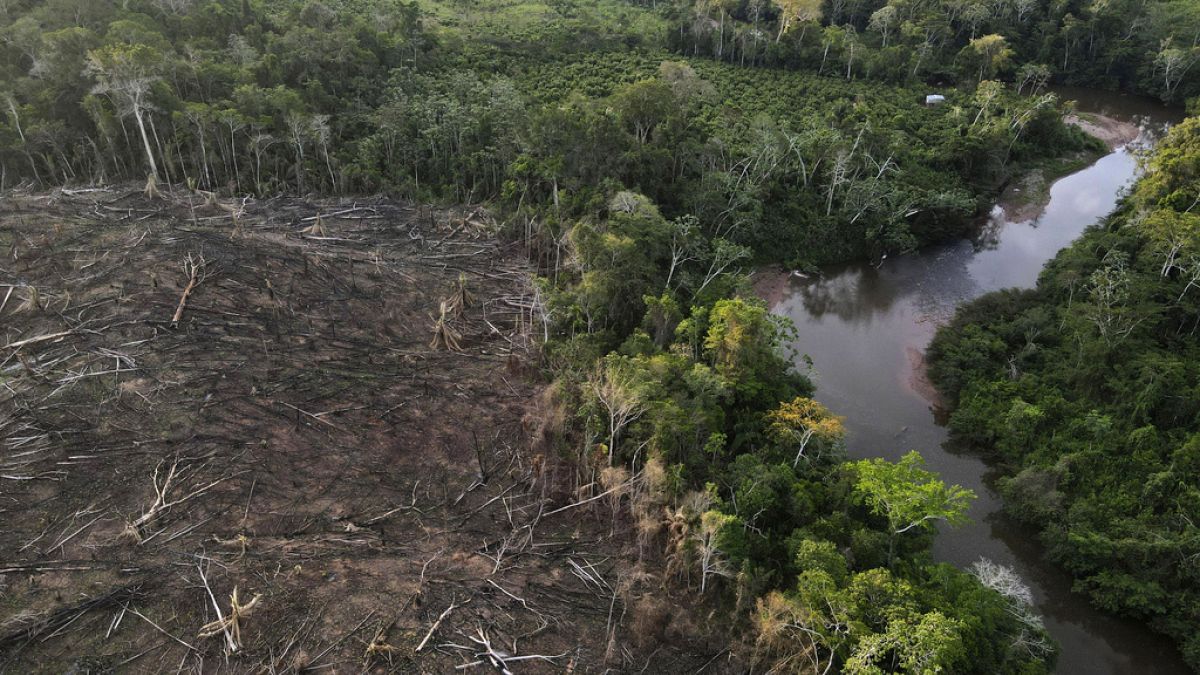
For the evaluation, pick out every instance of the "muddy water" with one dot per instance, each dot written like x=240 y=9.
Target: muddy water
x=866 y=330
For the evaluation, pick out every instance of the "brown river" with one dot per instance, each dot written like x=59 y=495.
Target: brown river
x=866 y=329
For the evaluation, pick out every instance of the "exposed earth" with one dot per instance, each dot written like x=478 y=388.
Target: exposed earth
x=292 y=430
x=1025 y=197
x=1115 y=133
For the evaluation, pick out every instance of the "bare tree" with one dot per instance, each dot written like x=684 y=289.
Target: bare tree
x=1002 y=579
x=707 y=537
x=1031 y=637
x=1109 y=290
x=1024 y=8
x=319 y=125
x=298 y=130
x=126 y=73
x=683 y=245
x=617 y=393
x=792 y=11
x=16 y=121
x=883 y=20
x=1032 y=75
x=1191 y=271
x=724 y=254
x=258 y=144
x=1173 y=63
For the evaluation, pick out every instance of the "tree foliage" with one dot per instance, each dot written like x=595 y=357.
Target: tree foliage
x=907 y=495
x=643 y=183
x=1149 y=47
x=1086 y=389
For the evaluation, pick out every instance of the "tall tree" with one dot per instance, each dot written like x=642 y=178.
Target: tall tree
x=126 y=73
x=792 y=12
x=992 y=52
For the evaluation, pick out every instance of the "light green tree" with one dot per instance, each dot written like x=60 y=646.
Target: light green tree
x=908 y=495
x=928 y=643
x=1173 y=63
x=883 y=21
x=792 y=12
x=992 y=52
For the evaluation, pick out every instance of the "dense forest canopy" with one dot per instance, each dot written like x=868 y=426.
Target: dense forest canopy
x=259 y=98
x=1086 y=388
x=644 y=177
x=1151 y=47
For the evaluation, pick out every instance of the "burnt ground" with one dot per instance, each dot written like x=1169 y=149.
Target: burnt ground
x=296 y=437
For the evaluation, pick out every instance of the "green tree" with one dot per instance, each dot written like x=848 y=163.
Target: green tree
x=743 y=343
x=642 y=106
x=907 y=495
x=927 y=643
x=992 y=53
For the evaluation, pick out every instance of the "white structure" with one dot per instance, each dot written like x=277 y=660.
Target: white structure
x=934 y=99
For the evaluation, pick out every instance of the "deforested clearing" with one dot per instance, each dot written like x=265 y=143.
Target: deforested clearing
x=229 y=438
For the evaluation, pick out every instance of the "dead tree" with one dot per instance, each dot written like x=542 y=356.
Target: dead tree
x=444 y=335
x=462 y=298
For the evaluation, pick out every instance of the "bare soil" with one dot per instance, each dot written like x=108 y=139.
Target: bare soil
x=295 y=436
x=918 y=380
x=1115 y=133
x=771 y=284
x=1026 y=197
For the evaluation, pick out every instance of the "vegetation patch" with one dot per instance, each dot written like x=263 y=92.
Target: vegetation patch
x=1085 y=391
x=299 y=420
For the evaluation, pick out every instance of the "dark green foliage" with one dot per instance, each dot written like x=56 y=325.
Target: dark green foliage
x=1087 y=388
x=643 y=184
x=363 y=97
x=1149 y=47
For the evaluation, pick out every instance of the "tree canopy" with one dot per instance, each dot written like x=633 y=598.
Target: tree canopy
x=1085 y=389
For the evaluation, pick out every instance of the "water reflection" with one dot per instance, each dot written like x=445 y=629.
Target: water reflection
x=867 y=328
x=935 y=279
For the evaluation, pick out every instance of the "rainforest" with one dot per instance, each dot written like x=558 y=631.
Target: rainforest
x=453 y=335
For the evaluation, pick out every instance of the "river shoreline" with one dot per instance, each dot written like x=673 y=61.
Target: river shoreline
x=1113 y=132
x=1022 y=199
x=866 y=328
x=1025 y=197
x=1018 y=207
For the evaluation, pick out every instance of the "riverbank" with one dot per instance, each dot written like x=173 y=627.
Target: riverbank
x=1113 y=132
x=1043 y=354
x=864 y=330
x=1025 y=197
x=919 y=381
x=771 y=284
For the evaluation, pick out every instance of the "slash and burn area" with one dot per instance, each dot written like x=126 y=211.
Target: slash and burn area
x=288 y=435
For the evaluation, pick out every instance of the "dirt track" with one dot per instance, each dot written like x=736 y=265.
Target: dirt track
x=294 y=436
